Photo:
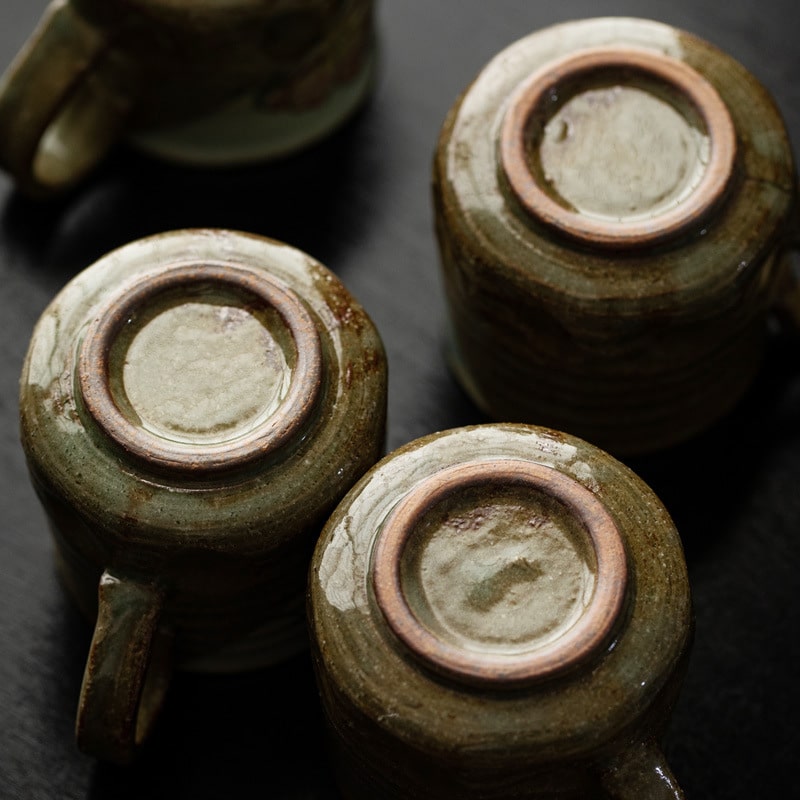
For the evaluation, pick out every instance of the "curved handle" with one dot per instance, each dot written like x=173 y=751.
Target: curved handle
x=641 y=772
x=786 y=303
x=63 y=102
x=127 y=672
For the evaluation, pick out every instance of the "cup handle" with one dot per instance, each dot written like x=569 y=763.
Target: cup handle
x=641 y=772
x=63 y=102
x=786 y=304
x=127 y=672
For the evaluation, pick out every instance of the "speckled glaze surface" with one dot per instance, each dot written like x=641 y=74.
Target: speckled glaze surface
x=193 y=406
x=500 y=611
x=614 y=199
x=209 y=83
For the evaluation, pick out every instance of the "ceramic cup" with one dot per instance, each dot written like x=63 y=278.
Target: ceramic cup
x=193 y=406
x=614 y=202
x=500 y=612
x=201 y=82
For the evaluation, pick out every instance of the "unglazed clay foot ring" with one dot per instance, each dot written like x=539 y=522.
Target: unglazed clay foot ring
x=589 y=633
x=256 y=290
x=533 y=103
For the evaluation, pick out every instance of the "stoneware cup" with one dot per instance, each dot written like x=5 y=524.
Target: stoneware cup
x=193 y=407
x=202 y=82
x=614 y=204
x=500 y=612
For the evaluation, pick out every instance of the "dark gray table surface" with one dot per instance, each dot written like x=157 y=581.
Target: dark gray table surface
x=360 y=204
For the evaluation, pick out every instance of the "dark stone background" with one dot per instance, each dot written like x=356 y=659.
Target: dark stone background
x=360 y=204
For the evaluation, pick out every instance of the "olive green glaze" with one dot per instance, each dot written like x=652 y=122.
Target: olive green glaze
x=128 y=669
x=479 y=571
x=193 y=482
x=638 y=345
x=200 y=82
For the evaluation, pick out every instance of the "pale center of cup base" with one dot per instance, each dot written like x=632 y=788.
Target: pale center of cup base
x=201 y=372
x=622 y=153
x=503 y=576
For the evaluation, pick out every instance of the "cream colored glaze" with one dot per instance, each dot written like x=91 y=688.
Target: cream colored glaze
x=621 y=153
x=202 y=373
x=506 y=71
x=78 y=299
x=506 y=576
x=345 y=553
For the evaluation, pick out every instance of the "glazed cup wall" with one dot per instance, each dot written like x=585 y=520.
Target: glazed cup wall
x=399 y=728
x=198 y=563
x=203 y=84
x=214 y=600
x=633 y=347
x=505 y=340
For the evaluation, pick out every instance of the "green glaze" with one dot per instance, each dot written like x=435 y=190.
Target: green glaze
x=200 y=371
x=209 y=83
x=495 y=571
x=633 y=347
x=128 y=669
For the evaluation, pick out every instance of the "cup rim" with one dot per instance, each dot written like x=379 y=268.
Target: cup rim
x=282 y=426
x=677 y=75
x=501 y=671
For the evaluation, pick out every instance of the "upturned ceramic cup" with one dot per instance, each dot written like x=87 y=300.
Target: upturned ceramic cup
x=614 y=204
x=193 y=407
x=201 y=82
x=500 y=612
